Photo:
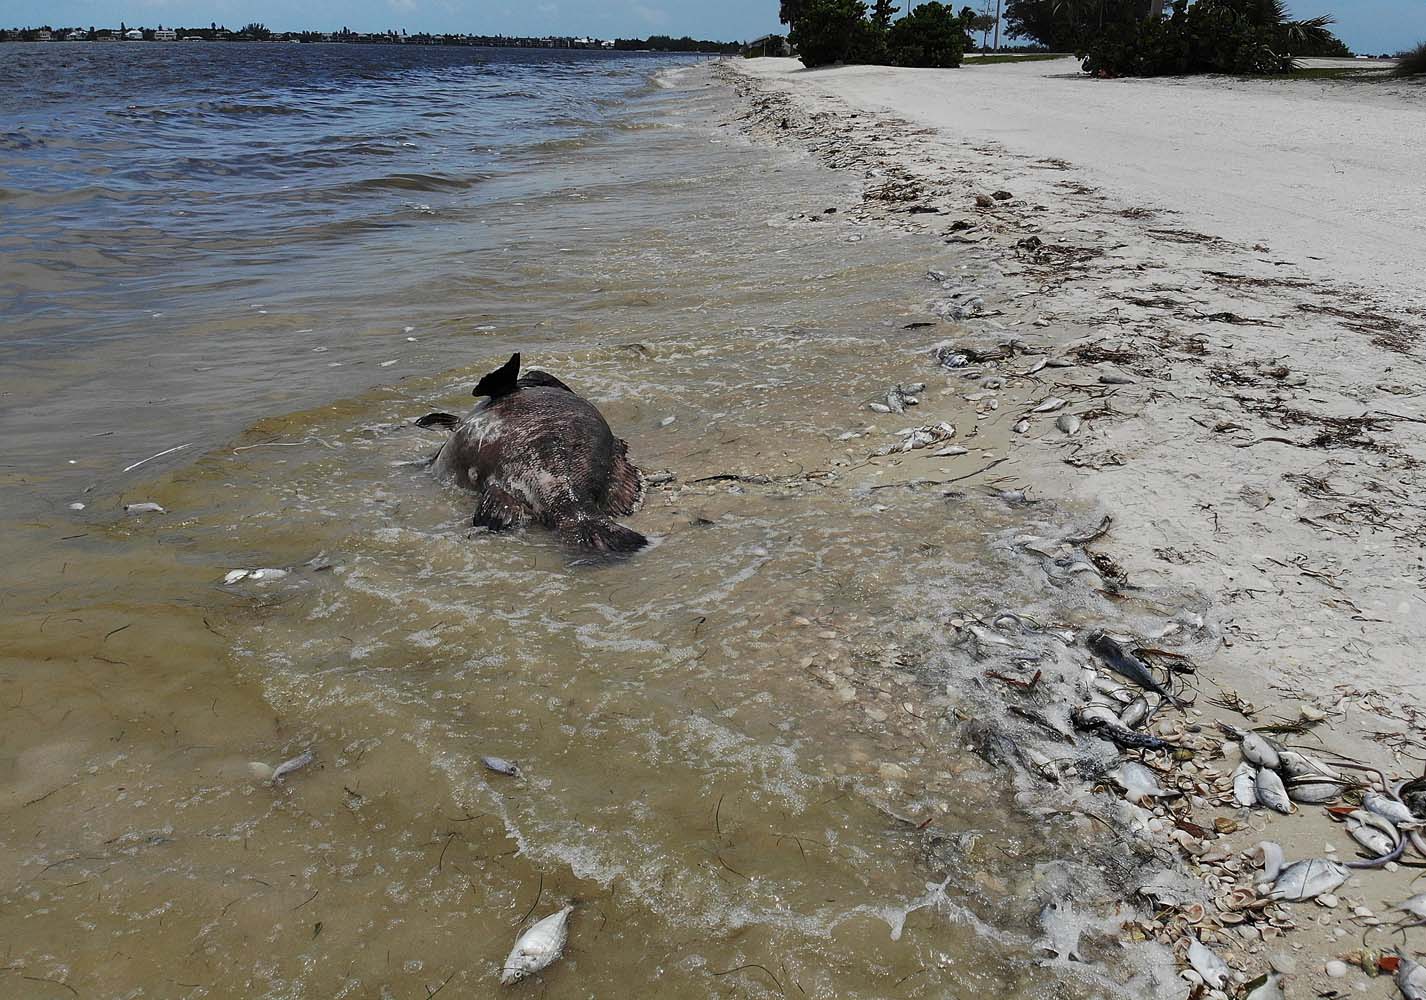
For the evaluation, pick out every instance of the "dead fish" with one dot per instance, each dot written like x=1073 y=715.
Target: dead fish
x=1062 y=930
x=147 y=507
x=1313 y=791
x=501 y=766
x=1373 y=832
x=1140 y=783
x=1110 y=378
x=294 y=764
x=1265 y=987
x=1416 y=906
x=1256 y=749
x=1304 y=880
x=1069 y=423
x=1021 y=426
x=1135 y=713
x=1271 y=792
x=954 y=449
x=1049 y=405
x=1410 y=977
x=1293 y=766
x=1208 y=964
x=1126 y=664
x=1105 y=724
x=1389 y=808
x=258 y=575
x=537 y=948
x=1269 y=854
x=1245 y=785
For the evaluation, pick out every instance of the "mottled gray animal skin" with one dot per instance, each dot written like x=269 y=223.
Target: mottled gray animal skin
x=535 y=452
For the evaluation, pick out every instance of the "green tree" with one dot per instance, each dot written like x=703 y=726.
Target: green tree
x=931 y=35
x=832 y=31
x=882 y=11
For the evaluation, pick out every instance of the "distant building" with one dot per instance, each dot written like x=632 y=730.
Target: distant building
x=134 y=35
x=767 y=45
x=165 y=35
x=44 y=36
x=77 y=35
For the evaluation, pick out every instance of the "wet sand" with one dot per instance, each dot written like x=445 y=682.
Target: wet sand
x=740 y=751
x=1257 y=441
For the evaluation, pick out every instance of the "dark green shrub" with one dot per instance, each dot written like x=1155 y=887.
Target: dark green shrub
x=833 y=31
x=932 y=35
x=1412 y=62
x=1241 y=37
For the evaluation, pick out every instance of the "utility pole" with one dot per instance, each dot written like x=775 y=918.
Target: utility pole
x=997 y=25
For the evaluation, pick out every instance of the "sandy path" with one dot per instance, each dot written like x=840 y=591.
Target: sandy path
x=1327 y=174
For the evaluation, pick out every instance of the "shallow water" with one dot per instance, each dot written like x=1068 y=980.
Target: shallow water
x=735 y=748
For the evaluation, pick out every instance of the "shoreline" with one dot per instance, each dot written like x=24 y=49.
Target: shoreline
x=1262 y=390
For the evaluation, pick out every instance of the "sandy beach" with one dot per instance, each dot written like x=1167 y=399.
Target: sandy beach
x=927 y=400
x=1228 y=272
x=1325 y=173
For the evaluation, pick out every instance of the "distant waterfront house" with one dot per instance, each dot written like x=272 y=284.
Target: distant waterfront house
x=165 y=35
x=767 y=45
x=77 y=35
x=134 y=35
x=44 y=36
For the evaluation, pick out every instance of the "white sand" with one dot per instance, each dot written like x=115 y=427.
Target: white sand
x=1269 y=452
x=1313 y=169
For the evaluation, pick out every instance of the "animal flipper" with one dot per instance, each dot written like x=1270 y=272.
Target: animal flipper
x=501 y=382
x=599 y=534
x=445 y=421
x=535 y=377
x=626 y=484
x=499 y=510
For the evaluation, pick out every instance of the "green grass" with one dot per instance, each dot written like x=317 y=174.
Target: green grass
x=1005 y=58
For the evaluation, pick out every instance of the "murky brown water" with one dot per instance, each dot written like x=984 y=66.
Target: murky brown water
x=735 y=747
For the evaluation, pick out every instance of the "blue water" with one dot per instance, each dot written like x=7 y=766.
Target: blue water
x=130 y=173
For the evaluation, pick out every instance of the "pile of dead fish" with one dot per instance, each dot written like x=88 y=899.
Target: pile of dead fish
x=1170 y=770
x=898 y=398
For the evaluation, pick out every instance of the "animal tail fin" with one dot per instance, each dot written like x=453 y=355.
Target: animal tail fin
x=626 y=484
x=599 y=534
x=445 y=421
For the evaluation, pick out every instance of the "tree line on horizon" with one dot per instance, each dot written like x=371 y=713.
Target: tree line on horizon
x=1110 y=37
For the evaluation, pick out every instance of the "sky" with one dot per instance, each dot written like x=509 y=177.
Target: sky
x=1366 y=25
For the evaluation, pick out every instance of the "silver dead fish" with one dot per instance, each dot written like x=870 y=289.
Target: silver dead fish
x=1389 y=808
x=1256 y=749
x=1271 y=792
x=537 y=948
x=1304 y=880
x=1373 y=832
x=1410 y=977
x=1208 y=964
x=1139 y=783
x=293 y=764
x=501 y=766
x=1245 y=785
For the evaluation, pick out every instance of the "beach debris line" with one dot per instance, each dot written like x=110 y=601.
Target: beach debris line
x=538 y=947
